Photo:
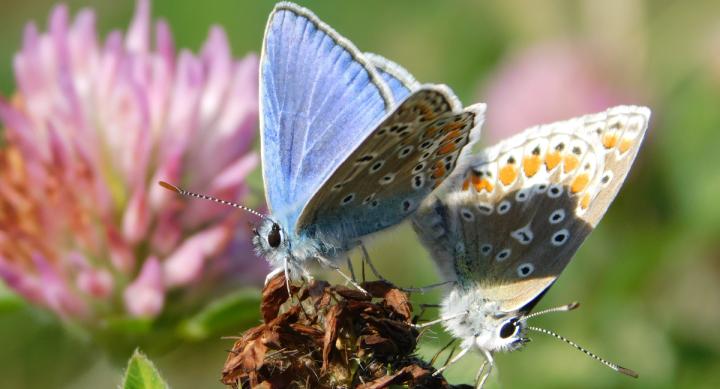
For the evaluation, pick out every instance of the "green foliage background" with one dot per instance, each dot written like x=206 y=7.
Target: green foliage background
x=648 y=278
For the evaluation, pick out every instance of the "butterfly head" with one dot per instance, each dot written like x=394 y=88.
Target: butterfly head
x=480 y=322
x=271 y=241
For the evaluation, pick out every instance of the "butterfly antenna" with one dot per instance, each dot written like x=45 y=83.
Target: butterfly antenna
x=611 y=365
x=183 y=192
x=562 y=308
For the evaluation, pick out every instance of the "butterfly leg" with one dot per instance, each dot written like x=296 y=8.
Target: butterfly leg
x=452 y=361
x=326 y=262
x=272 y=274
x=287 y=276
x=366 y=259
x=480 y=379
x=424 y=289
x=445 y=347
x=350 y=267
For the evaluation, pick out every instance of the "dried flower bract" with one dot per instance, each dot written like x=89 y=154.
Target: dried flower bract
x=328 y=336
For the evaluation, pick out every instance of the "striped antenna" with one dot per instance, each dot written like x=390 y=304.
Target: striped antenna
x=562 y=308
x=611 y=365
x=183 y=192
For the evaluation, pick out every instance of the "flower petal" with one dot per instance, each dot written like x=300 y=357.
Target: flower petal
x=186 y=263
x=145 y=297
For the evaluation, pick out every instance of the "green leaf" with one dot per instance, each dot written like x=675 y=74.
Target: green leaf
x=9 y=301
x=142 y=374
x=229 y=313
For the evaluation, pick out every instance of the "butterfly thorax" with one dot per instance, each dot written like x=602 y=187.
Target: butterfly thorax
x=480 y=322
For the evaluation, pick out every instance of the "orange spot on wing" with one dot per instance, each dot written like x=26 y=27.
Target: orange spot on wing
x=466 y=184
x=481 y=184
x=439 y=170
x=609 y=140
x=571 y=162
x=426 y=112
x=431 y=131
x=453 y=126
x=625 y=145
x=508 y=174
x=452 y=135
x=531 y=165
x=585 y=201
x=552 y=159
x=579 y=183
x=446 y=148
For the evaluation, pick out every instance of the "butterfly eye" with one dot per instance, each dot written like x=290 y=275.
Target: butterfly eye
x=509 y=329
x=273 y=237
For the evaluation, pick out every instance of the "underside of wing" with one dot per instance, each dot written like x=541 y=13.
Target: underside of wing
x=386 y=178
x=524 y=207
x=319 y=99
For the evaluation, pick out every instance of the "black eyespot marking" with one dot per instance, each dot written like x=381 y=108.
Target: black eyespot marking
x=555 y=191
x=459 y=140
x=449 y=158
x=484 y=209
x=381 y=132
x=606 y=178
x=449 y=166
x=560 y=147
x=587 y=166
x=560 y=237
x=426 y=144
x=502 y=255
x=417 y=181
x=485 y=249
x=576 y=150
x=508 y=329
x=536 y=150
x=374 y=204
x=557 y=216
x=273 y=237
x=368 y=198
x=375 y=167
x=406 y=205
x=405 y=151
x=511 y=160
x=366 y=158
x=419 y=167
x=504 y=207
x=347 y=199
x=525 y=270
x=522 y=195
x=337 y=186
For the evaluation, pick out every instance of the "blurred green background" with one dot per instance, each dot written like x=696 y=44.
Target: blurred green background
x=648 y=278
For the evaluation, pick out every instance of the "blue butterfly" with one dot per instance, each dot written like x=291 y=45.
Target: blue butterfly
x=351 y=143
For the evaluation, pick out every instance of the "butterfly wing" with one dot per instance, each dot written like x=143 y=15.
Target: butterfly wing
x=384 y=180
x=524 y=207
x=319 y=98
x=399 y=80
